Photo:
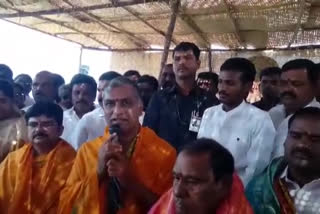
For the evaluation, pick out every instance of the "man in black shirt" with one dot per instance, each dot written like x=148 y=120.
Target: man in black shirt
x=269 y=87
x=175 y=113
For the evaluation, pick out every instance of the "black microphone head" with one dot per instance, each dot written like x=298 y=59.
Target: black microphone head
x=115 y=129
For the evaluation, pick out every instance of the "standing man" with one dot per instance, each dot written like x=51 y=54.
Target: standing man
x=291 y=184
x=246 y=131
x=167 y=78
x=297 y=90
x=124 y=171
x=175 y=113
x=132 y=75
x=13 y=129
x=32 y=177
x=44 y=87
x=269 y=88
x=65 y=97
x=93 y=124
x=208 y=81
x=26 y=81
x=147 y=86
x=84 y=90
x=6 y=73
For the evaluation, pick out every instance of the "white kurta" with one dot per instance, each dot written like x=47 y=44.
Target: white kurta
x=90 y=126
x=282 y=132
x=70 y=121
x=246 y=131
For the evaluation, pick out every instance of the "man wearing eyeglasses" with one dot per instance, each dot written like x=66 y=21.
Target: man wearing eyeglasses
x=32 y=177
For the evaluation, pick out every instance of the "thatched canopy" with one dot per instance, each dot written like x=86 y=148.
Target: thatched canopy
x=142 y=24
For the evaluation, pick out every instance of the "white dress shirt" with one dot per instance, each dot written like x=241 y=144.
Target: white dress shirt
x=90 y=126
x=282 y=131
x=246 y=131
x=307 y=198
x=70 y=121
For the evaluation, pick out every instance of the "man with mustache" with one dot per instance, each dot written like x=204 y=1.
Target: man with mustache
x=32 y=177
x=291 y=184
x=175 y=113
x=44 y=87
x=84 y=90
x=297 y=90
x=126 y=169
x=246 y=131
x=93 y=124
x=167 y=78
x=147 y=86
x=204 y=183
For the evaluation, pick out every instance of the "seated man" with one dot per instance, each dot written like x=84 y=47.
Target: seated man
x=204 y=183
x=124 y=171
x=13 y=129
x=32 y=177
x=291 y=184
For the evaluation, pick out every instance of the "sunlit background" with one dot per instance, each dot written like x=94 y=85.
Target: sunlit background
x=28 y=51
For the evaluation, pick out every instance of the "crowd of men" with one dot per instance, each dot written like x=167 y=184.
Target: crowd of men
x=178 y=145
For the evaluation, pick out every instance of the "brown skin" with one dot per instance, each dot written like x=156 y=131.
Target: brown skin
x=43 y=88
x=302 y=150
x=122 y=106
x=82 y=99
x=296 y=91
x=44 y=133
x=194 y=183
x=101 y=86
x=19 y=97
x=269 y=87
x=232 y=91
x=146 y=91
x=65 y=98
x=185 y=66
x=167 y=77
x=207 y=85
x=7 y=107
x=133 y=78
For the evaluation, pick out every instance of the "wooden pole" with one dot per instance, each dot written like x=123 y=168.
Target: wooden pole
x=175 y=4
x=210 y=60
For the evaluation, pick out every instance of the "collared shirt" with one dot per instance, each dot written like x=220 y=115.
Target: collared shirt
x=263 y=105
x=282 y=128
x=246 y=131
x=307 y=198
x=169 y=114
x=89 y=127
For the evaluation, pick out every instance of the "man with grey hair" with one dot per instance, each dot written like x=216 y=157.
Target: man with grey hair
x=128 y=161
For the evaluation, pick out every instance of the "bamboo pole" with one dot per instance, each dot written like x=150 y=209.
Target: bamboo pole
x=175 y=4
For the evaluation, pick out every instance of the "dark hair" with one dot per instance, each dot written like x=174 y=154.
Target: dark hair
x=187 y=46
x=122 y=81
x=242 y=65
x=65 y=87
x=209 y=76
x=302 y=64
x=169 y=66
x=26 y=76
x=84 y=79
x=47 y=109
x=6 y=70
x=131 y=73
x=310 y=112
x=58 y=80
x=270 y=71
x=110 y=75
x=7 y=88
x=221 y=160
x=17 y=85
x=150 y=80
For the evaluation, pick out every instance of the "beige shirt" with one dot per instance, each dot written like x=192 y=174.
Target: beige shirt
x=307 y=198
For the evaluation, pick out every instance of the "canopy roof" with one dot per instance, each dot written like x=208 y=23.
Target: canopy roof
x=124 y=25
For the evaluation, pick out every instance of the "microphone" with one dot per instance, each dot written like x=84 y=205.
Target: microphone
x=114 y=189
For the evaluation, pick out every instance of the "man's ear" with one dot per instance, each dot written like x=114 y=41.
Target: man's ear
x=199 y=63
x=60 y=130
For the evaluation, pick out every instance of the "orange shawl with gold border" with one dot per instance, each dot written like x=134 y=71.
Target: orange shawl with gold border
x=152 y=161
x=32 y=185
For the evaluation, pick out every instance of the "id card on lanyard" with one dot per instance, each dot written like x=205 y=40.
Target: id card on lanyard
x=195 y=121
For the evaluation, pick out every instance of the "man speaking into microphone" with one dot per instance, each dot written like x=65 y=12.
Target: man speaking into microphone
x=124 y=171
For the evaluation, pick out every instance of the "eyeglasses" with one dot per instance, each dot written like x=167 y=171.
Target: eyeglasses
x=45 y=124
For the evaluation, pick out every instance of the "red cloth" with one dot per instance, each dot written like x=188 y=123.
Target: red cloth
x=236 y=203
